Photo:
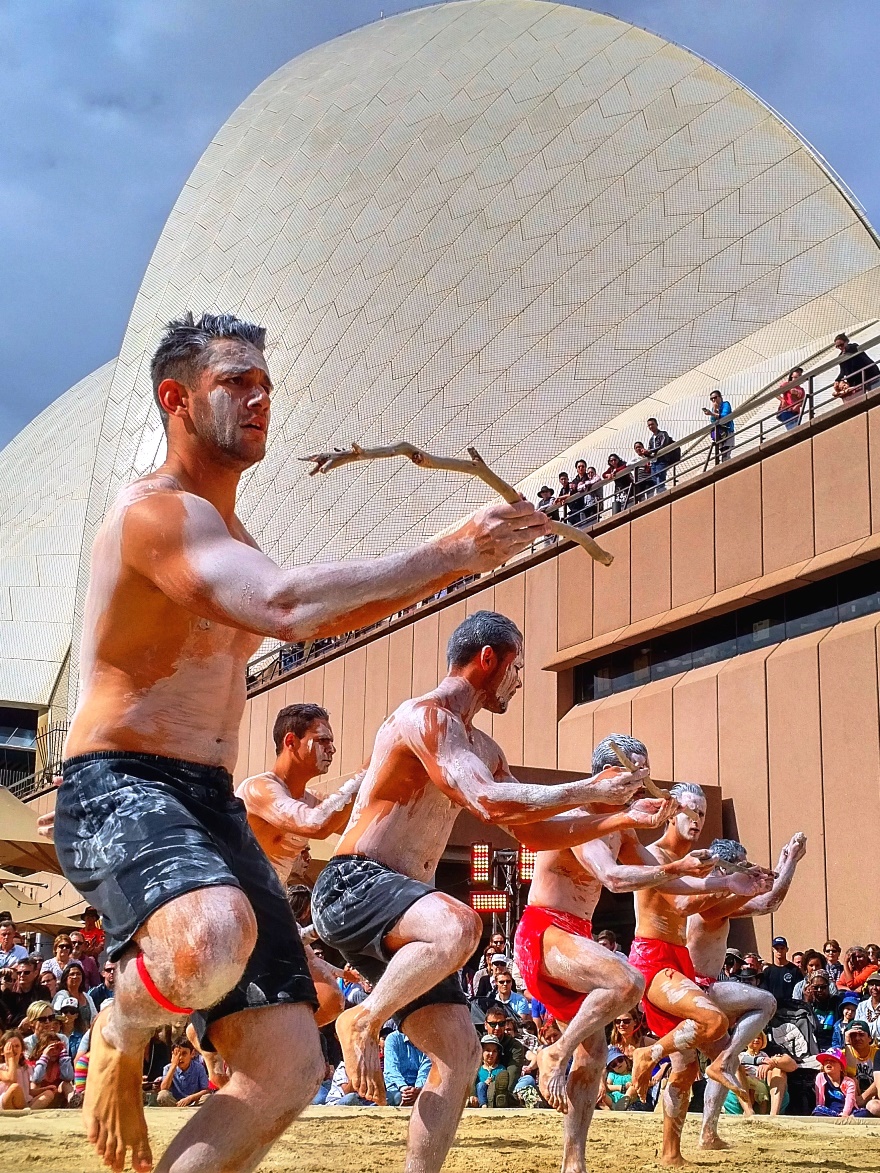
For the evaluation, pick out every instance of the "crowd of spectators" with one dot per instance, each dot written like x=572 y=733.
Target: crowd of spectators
x=820 y=1054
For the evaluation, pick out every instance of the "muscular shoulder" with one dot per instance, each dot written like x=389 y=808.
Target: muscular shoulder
x=260 y=790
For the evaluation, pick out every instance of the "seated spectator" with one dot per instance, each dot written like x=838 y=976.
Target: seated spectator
x=657 y=441
x=797 y=958
x=51 y=1072
x=831 y=953
x=817 y=994
x=61 y=950
x=486 y=987
x=869 y=1009
x=405 y=1068
x=836 y=1092
x=79 y=953
x=623 y=482
x=858 y=371
x=49 y=980
x=157 y=1057
x=791 y=401
x=185 y=1079
x=324 y=1090
x=766 y=1079
x=341 y=1093
x=859 y=1053
x=723 y=435
x=15 y=1079
x=793 y=1047
x=485 y=970
x=103 y=992
x=856 y=968
x=618 y=1075
x=643 y=477
x=80 y=1071
x=28 y=986
x=754 y=964
x=10 y=953
x=513 y=1052
x=628 y=1032
x=813 y=963
x=9 y=1015
x=732 y=969
x=512 y=1001
x=527 y=1092
x=873 y=952
x=69 y=1023
x=608 y=940
x=492 y=1082
x=847 y=1007
x=40 y=1021
x=71 y=986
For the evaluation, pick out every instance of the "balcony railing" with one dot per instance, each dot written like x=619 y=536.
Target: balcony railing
x=49 y=746
x=756 y=423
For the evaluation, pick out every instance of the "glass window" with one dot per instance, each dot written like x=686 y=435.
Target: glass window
x=760 y=625
x=714 y=640
x=811 y=608
x=859 y=592
x=671 y=654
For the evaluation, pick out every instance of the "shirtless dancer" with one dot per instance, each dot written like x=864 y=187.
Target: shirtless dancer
x=581 y=983
x=684 y=1017
x=146 y=825
x=374 y=900
x=750 y=1008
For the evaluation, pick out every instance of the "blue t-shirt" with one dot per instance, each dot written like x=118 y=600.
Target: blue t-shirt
x=187 y=1083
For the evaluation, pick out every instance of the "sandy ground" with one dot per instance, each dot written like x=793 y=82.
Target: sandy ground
x=371 y=1140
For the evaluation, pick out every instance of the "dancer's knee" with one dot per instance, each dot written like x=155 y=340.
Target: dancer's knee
x=463 y=936
x=713 y=1025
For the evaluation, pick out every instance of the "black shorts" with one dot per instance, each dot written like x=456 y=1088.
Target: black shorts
x=355 y=905
x=133 y=831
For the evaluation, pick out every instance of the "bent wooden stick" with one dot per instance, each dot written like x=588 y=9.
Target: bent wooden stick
x=475 y=467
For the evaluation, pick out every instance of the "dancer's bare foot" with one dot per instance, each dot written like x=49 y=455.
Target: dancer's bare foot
x=675 y=1161
x=552 y=1076
x=716 y=1071
x=713 y=1142
x=360 y=1052
x=642 y=1061
x=113 y=1108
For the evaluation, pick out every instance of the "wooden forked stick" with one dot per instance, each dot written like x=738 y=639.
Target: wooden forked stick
x=628 y=764
x=475 y=467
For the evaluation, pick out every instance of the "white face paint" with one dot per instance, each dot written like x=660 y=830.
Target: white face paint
x=510 y=682
x=690 y=819
x=317 y=746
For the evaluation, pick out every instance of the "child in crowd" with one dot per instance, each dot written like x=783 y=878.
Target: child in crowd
x=491 y=1085
x=51 y=1072
x=618 y=1075
x=848 y=1005
x=836 y=1092
x=15 y=1081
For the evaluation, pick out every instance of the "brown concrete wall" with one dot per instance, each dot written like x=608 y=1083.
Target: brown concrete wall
x=789 y=734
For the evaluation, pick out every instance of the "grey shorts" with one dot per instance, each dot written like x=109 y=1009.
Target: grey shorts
x=134 y=831
x=355 y=905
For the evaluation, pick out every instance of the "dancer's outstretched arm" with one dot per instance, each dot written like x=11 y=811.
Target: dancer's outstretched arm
x=265 y=797
x=567 y=830
x=790 y=856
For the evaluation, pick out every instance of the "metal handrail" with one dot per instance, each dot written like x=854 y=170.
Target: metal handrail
x=50 y=748
x=695 y=460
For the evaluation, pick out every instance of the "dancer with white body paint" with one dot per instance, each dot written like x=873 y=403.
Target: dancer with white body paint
x=374 y=901
x=748 y=1007
x=582 y=984
x=146 y=824
x=684 y=1017
x=284 y=816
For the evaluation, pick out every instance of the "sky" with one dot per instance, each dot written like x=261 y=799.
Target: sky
x=108 y=105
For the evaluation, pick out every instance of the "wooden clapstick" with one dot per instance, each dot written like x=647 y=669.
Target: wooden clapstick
x=652 y=788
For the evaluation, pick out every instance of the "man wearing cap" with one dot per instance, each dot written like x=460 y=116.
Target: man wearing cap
x=861 y=1055
x=732 y=968
x=782 y=975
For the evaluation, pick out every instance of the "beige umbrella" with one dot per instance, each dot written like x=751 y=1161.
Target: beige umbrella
x=20 y=845
x=41 y=901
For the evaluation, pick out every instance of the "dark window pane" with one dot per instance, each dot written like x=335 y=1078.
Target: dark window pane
x=630 y=668
x=859 y=592
x=603 y=679
x=714 y=640
x=811 y=608
x=760 y=626
x=671 y=655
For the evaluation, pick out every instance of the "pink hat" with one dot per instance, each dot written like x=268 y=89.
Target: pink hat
x=832 y=1055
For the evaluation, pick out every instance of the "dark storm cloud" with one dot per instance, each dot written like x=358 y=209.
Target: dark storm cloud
x=108 y=105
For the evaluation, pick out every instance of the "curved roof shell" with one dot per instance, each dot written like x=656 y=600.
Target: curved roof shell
x=45 y=479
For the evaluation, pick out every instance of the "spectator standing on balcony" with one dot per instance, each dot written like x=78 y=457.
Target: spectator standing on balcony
x=643 y=477
x=791 y=401
x=562 y=496
x=545 y=499
x=584 y=510
x=622 y=481
x=722 y=434
x=405 y=1069
x=658 y=440
x=10 y=953
x=858 y=371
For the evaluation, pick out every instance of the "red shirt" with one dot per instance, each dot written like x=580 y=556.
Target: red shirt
x=94 y=939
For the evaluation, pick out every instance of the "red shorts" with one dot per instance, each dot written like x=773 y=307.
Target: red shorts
x=649 y=957
x=705 y=983
x=562 y=1003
